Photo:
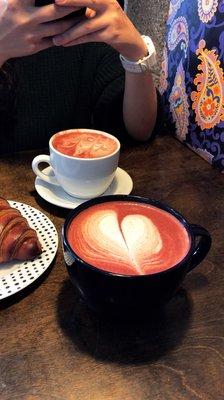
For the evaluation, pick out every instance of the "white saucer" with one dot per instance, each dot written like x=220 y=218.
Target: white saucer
x=121 y=184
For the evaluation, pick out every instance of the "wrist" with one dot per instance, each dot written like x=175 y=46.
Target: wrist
x=144 y=63
x=136 y=52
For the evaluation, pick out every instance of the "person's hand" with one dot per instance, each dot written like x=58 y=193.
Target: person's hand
x=26 y=29
x=105 y=21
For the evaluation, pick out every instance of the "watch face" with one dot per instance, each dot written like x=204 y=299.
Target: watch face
x=144 y=67
x=149 y=44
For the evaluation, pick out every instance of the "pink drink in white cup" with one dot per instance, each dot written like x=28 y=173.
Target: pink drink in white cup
x=84 y=161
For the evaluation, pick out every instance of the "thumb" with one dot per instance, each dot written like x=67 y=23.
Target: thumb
x=26 y=3
x=3 y=6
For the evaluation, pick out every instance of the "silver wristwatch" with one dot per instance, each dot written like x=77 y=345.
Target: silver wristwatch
x=144 y=64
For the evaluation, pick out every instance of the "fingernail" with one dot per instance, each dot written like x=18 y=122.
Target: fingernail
x=56 y=41
x=60 y=1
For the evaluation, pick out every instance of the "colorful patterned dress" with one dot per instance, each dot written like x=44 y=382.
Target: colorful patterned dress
x=192 y=79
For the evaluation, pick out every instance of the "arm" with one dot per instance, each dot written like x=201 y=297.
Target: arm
x=139 y=105
x=105 y=21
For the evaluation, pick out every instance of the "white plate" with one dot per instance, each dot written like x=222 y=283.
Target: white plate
x=16 y=275
x=121 y=184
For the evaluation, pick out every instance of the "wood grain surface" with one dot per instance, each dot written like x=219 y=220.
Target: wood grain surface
x=53 y=348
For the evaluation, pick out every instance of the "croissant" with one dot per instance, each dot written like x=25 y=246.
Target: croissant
x=17 y=240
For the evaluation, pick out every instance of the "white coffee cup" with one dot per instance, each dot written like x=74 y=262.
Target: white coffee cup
x=79 y=177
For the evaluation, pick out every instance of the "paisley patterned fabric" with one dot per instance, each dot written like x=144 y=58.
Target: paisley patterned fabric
x=192 y=78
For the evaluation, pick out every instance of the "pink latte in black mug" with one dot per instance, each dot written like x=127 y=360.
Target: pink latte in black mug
x=127 y=253
x=136 y=238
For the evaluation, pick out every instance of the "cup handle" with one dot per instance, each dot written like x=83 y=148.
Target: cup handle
x=202 y=247
x=35 y=166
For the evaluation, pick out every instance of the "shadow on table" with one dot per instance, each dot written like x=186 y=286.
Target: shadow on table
x=119 y=340
x=56 y=211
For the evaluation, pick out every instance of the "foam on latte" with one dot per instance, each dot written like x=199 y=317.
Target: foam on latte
x=128 y=238
x=84 y=144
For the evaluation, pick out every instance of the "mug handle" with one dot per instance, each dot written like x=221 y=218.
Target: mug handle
x=203 y=246
x=35 y=166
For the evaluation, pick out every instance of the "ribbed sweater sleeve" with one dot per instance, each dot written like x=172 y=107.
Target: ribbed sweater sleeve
x=77 y=87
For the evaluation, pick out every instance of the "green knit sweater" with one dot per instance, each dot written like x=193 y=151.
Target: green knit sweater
x=63 y=88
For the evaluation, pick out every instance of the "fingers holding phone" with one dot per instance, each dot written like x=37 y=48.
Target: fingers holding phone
x=105 y=22
x=47 y=10
x=26 y=29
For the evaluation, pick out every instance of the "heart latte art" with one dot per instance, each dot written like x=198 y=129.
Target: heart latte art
x=85 y=144
x=128 y=238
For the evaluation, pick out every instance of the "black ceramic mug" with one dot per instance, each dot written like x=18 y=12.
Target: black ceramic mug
x=103 y=290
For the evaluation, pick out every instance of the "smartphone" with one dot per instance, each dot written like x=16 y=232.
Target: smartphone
x=78 y=13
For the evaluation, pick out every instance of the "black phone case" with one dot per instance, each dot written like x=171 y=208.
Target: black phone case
x=79 y=13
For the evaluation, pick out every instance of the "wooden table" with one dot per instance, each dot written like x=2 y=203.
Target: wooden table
x=53 y=348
